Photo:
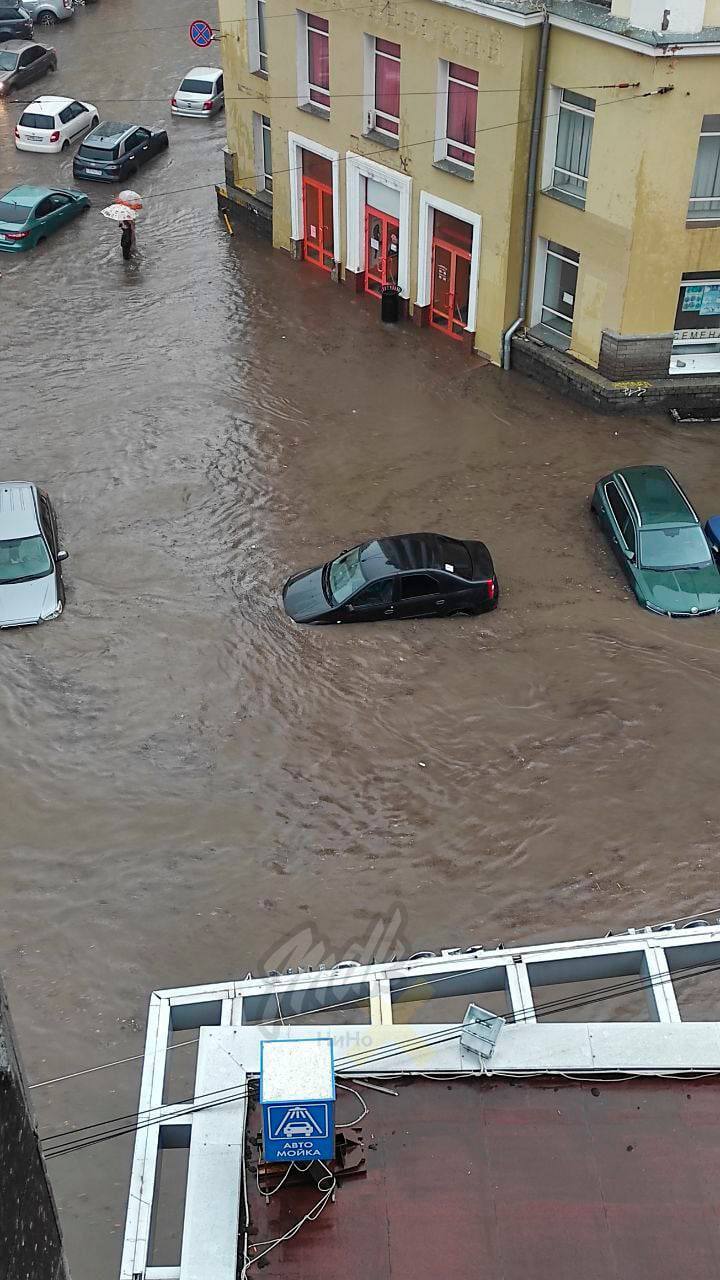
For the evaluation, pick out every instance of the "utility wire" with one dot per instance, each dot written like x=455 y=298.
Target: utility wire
x=351 y=1062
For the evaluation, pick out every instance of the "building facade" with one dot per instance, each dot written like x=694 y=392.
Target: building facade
x=496 y=162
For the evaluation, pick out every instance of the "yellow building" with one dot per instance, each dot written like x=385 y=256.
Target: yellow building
x=540 y=184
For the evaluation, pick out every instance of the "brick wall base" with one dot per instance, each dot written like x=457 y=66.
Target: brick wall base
x=628 y=357
x=699 y=394
x=246 y=210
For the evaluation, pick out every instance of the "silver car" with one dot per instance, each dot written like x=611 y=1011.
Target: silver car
x=45 y=13
x=31 y=585
x=201 y=93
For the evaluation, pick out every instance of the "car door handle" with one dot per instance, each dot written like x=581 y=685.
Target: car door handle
x=439 y=602
x=389 y=613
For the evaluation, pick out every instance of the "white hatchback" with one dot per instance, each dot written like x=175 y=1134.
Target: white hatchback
x=201 y=93
x=51 y=124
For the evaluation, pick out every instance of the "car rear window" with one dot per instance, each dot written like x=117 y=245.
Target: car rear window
x=196 y=86
x=13 y=212
x=6 y=15
x=98 y=153
x=32 y=120
x=457 y=557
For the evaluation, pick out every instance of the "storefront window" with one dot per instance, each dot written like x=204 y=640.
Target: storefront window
x=696 y=346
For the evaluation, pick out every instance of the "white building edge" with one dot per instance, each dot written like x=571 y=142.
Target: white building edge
x=234 y=1017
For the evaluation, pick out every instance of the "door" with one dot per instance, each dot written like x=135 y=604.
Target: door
x=374 y=602
x=318 y=242
x=450 y=289
x=419 y=596
x=382 y=233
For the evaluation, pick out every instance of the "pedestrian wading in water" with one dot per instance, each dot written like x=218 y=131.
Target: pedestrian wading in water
x=127 y=239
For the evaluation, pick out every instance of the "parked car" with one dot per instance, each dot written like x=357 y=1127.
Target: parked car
x=411 y=575
x=201 y=93
x=657 y=537
x=51 y=124
x=31 y=585
x=22 y=61
x=28 y=215
x=115 y=151
x=45 y=13
x=15 y=23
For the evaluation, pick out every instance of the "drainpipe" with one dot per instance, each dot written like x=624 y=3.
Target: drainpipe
x=530 y=192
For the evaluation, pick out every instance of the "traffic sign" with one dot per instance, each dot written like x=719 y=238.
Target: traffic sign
x=201 y=33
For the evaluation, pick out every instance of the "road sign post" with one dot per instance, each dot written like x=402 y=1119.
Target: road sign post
x=201 y=33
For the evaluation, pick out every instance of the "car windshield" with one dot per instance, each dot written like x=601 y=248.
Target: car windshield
x=98 y=153
x=23 y=558
x=8 y=60
x=31 y=120
x=683 y=548
x=345 y=576
x=196 y=86
x=13 y=212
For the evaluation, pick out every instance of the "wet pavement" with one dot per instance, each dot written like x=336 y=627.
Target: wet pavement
x=186 y=779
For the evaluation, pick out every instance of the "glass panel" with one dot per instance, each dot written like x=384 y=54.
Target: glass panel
x=559 y=294
x=578 y=100
x=267 y=152
x=461 y=120
x=705 y=193
x=387 y=89
x=327 y=225
x=699 y=305
x=392 y=233
x=463 y=73
x=317 y=168
x=453 y=230
x=262 y=37
x=572 y=155
x=441 y=284
x=462 y=294
x=375 y=247
x=318 y=59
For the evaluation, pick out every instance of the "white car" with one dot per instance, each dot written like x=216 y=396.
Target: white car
x=201 y=93
x=51 y=124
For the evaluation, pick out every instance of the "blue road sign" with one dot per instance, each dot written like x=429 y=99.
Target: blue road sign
x=298 y=1131
x=201 y=33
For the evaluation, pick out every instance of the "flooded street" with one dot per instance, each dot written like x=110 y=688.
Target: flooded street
x=187 y=779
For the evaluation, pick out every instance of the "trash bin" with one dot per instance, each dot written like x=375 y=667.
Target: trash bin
x=390 y=304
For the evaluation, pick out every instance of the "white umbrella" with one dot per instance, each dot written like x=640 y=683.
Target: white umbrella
x=131 y=199
x=119 y=213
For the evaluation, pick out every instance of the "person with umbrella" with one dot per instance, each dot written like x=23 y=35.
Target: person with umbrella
x=125 y=210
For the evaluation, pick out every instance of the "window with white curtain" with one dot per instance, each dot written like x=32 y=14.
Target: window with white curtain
x=705 y=194
x=576 y=115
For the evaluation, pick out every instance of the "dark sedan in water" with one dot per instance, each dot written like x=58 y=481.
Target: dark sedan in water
x=113 y=151
x=410 y=575
x=22 y=62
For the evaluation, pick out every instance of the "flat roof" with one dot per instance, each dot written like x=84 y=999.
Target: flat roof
x=522 y=1180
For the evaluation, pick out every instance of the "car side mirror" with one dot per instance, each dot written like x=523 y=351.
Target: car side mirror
x=61 y=555
x=349 y=608
x=629 y=555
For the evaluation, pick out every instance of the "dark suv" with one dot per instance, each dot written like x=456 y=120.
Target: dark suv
x=15 y=23
x=114 y=151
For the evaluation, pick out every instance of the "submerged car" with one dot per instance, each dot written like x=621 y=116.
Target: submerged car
x=15 y=23
x=657 y=537
x=201 y=93
x=51 y=124
x=28 y=215
x=410 y=575
x=21 y=62
x=31 y=585
x=115 y=151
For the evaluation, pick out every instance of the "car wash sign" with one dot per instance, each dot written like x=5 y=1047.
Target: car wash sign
x=297 y=1097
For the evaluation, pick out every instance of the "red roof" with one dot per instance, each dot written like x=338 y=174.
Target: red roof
x=539 y=1180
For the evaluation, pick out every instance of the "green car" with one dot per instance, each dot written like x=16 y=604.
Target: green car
x=657 y=537
x=31 y=214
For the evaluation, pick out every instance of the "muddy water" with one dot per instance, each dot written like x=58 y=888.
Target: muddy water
x=186 y=779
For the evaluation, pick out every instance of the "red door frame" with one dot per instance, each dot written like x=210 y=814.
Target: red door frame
x=315 y=249
x=451 y=323
x=388 y=224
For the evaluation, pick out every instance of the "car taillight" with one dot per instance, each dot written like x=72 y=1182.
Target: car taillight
x=16 y=235
x=207 y=106
x=17 y=132
x=55 y=135
x=173 y=102
x=491 y=590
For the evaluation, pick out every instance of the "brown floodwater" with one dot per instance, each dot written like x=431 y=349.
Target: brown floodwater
x=187 y=779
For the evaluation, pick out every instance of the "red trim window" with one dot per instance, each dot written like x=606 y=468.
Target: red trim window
x=387 y=87
x=461 y=125
x=318 y=60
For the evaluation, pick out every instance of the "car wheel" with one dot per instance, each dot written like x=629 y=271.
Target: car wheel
x=52 y=67
x=65 y=146
x=46 y=18
x=95 y=122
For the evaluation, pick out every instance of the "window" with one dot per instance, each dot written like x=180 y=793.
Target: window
x=620 y=512
x=418 y=584
x=266 y=152
x=257 y=37
x=318 y=60
x=375 y=596
x=386 y=109
x=558 y=302
x=572 y=147
x=705 y=194
x=696 y=344
x=461 y=119
x=66 y=115
x=32 y=120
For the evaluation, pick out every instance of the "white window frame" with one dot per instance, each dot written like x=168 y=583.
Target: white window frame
x=263 y=179
x=257 y=57
x=303 y=66
x=442 y=142
x=714 y=215
x=428 y=204
x=296 y=145
x=357 y=169
x=556 y=104
x=543 y=252
x=370 y=105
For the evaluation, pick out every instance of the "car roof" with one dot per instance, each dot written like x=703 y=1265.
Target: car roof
x=657 y=496
x=27 y=196
x=18 y=518
x=110 y=132
x=406 y=551
x=17 y=46
x=49 y=103
x=203 y=71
